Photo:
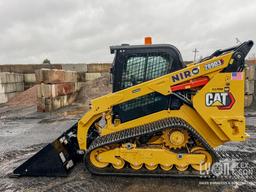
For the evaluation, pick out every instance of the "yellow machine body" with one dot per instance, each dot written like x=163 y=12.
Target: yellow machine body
x=215 y=125
x=203 y=108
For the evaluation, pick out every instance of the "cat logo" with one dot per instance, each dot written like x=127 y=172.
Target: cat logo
x=222 y=100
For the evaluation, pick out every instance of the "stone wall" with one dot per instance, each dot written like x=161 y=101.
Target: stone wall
x=11 y=84
x=250 y=77
x=58 y=88
x=93 y=70
x=98 y=68
x=29 y=80
x=27 y=68
x=79 y=67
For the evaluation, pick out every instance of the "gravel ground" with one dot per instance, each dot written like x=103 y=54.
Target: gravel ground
x=23 y=131
x=26 y=98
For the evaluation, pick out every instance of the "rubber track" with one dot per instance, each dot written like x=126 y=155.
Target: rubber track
x=122 y=136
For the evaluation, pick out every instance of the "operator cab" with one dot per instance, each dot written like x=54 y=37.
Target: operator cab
x=135 y=64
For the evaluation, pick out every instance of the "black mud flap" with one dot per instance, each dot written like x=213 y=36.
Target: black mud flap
x=54 y=160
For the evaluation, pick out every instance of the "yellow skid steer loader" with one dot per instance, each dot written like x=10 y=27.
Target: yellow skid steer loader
x=163 y=118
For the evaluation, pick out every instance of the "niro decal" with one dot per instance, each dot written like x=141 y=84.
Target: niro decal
x=185 y=74
x=213 y=64
x=222 y=100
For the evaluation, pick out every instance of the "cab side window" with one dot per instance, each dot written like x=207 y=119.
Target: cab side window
x=144 y=67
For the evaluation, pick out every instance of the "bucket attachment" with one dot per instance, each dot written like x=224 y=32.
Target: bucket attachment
x=55 y=159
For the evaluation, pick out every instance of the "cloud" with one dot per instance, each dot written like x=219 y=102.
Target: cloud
x=68 y=31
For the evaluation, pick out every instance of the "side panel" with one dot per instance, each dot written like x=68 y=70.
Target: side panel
x=223 y=105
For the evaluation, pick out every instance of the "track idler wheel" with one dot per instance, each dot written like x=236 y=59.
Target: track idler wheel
x=94 y=158
x=207 y=162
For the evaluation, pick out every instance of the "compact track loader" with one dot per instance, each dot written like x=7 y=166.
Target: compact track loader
x=164 y=118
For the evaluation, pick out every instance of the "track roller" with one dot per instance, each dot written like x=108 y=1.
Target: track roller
x=136 y=167
x=166 y=167
x=151 y=167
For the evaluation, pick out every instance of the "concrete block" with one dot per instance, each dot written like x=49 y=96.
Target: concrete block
x=249 y=87
x=5 y=97
x=27 y=68
x=81 y=76
x=55 y=90
x=251 y=62
x=28 y=85
x=11 y=87
x=6 y=77
x=250 y=72
x=18 y=77
x=39 y=92
x=248 y=99
x=41 y=104
x=92 y=76
x=50 y=76
x=39 y=75
x=44 y=90
x=79 y=85
x=30 y=78
x=53 y=76
x=52 y=104
x=98 y=67
x=78 y=67
x=70 y=76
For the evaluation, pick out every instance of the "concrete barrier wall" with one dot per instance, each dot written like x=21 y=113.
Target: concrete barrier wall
x=92 y=76
x=29 y=71
x=98 y=67
x=79 y=67
x=249 y=87
x=52 y=104
x=11 y=87
x=26 y=68
x=58 y=88
x=55 y=90
x=7 y=77
x=55 y=76
x=250 y=77
x=248 y=100
x=30 y=78
x=11 y=84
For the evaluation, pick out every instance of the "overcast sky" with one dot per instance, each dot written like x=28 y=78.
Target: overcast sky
x=81 y=31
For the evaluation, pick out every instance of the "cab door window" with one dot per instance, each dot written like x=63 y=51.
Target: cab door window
x=141 y=68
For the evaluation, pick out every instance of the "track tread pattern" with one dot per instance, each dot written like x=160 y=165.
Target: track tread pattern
x=149 y=128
